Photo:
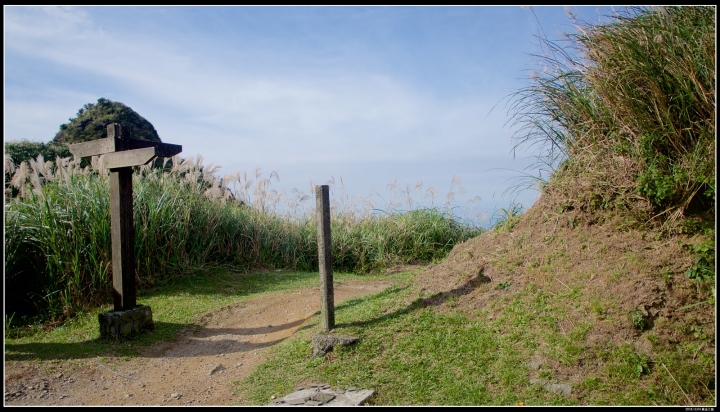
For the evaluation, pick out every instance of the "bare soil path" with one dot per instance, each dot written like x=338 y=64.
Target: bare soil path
x=197 y=369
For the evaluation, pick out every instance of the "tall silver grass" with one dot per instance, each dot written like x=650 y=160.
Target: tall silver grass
x=188 y=220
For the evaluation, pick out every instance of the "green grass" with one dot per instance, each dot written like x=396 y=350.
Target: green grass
x=176 y=306
x=412 y=354
x=408 y=352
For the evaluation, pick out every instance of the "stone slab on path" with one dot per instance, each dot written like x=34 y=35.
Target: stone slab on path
x=323 y=395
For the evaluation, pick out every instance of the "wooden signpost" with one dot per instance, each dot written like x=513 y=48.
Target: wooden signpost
x=119 y=155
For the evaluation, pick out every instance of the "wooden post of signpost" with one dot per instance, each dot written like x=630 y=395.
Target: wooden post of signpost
x=122 y=234
x=120 y=155
x=327 y=310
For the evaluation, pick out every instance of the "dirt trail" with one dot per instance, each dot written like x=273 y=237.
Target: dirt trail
x=197 y=369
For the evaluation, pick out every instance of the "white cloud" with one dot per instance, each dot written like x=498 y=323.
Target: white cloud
x=339 y=115
x=43 y=23
x=303 y=122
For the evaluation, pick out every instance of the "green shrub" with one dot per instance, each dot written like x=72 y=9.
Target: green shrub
x=24 y=150
x=703 y=267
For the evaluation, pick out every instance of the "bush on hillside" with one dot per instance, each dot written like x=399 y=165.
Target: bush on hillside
x=24 y=150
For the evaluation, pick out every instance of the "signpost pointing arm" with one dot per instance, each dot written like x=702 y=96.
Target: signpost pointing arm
x=120 y=155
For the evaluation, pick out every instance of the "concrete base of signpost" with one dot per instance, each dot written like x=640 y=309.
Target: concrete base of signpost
x=125 y=324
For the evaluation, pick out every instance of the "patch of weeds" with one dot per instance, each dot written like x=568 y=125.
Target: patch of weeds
x=24 y=327
x=573 y=293
x=688 y=372
x=572 y=222
x=665 y=273
x=8 y=324
x=631 y=256
x=628 y=222
x=639 y=364
x=597 y=308
x=711 y=301
x=521 y=241
x=592 y=383
x=557 y=257
x=565 y=206
x=653 y=339
x=698 y=332
x=503 y=285
x=567 y=347
x=637 y=318
x=541 y=298
x=703 y=267
x=545 y=374
x=698 y=224
x=508 y=218
x=579 y=333
x=624 y=363
x=519 y=261
x=617 y=274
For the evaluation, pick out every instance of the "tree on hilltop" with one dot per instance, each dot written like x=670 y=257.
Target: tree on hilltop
x=91 y=122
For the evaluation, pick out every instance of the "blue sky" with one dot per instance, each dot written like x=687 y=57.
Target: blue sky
x=369 y=95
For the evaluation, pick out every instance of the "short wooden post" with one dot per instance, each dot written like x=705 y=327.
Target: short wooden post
x=327 y=310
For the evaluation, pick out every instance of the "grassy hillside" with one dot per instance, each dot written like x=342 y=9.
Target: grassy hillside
x=544 y=313
x=603 y=293
x=623 y=114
